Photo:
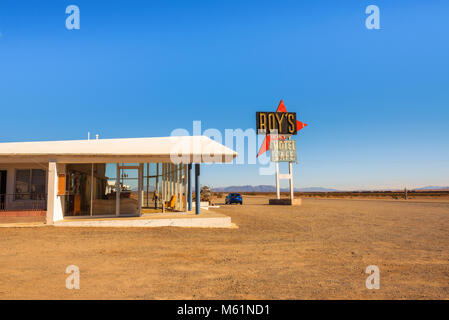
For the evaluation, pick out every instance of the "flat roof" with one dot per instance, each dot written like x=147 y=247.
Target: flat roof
x=156 y=149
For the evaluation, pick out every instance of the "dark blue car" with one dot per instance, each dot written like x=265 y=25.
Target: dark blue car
x=234 y=198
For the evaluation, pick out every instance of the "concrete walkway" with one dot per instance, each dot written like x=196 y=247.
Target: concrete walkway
x=174 y=219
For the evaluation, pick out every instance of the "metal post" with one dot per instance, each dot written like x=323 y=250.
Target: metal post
x=197 y=188
x=290 y=171
x=166 y=181
x=117 y=191
x=163 y=186
x=140 y=188
x=175 y=186
x=184 y=188
x=157 y=186
x=179 y=199
x=189 y=186
x=91 y=188
x=173 y=180
x=278 y=187
x=163 y=182
x=148 y=182
x=170 y=181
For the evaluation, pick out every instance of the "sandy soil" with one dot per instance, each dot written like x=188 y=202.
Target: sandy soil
x=319 y=251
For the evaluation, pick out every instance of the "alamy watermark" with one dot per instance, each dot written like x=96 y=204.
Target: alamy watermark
x=373 y=20
x=73 y=280
x=244 y=142
x=72 y=22
x=373 y=280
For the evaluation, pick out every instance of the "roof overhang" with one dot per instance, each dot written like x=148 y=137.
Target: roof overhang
x=175 y=149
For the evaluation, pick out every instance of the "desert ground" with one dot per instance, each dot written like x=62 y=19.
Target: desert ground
x=319 y=250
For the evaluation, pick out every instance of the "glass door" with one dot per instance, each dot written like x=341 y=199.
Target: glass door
x=78 y=190
x=130 y=184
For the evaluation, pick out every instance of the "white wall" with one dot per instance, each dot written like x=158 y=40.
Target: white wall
x=54 y=202
x=59 y=207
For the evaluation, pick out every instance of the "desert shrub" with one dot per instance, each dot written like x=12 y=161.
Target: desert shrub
x=205 y=193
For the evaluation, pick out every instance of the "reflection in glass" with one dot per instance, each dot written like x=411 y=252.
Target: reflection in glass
x=129 y=189
x=104 y=193
x=78 y=189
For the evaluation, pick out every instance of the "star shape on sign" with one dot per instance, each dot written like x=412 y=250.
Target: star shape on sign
x=266 y=142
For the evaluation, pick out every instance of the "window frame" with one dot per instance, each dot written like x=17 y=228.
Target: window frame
x=29 y=195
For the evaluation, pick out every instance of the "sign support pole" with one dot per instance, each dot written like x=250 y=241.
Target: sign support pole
x=290 y=171
x=278 y=187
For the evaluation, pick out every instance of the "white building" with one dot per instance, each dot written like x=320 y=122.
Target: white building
x=103 y=177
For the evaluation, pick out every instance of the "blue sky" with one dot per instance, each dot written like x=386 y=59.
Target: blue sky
x=376 y=101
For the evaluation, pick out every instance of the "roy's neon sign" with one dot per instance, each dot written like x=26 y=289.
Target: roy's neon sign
x=278 y=122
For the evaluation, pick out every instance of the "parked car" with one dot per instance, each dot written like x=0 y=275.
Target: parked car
x=234 y=198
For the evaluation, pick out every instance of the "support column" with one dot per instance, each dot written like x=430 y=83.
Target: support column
x=54 y=205
x=157 y=186
x=148 y=185
x=117 y=191
x=140 y=188
x=163 y=185
x=175 y=186
x=92 y=179
x=163 y=182
x=51 y=191
x=197 y=188
x=189 y=186
x=184 y=184
x=166 y=181
x=164 y=178
x=179 y=199
x=171 y=181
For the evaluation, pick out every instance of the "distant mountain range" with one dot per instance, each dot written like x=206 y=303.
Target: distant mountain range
x=432 y=188
x=268 y=188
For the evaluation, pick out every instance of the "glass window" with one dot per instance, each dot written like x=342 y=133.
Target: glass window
x=30 y=184
x=129 y=188
x=104 y=193
x=38 y=184
x=22 y=184
x=78 y=198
